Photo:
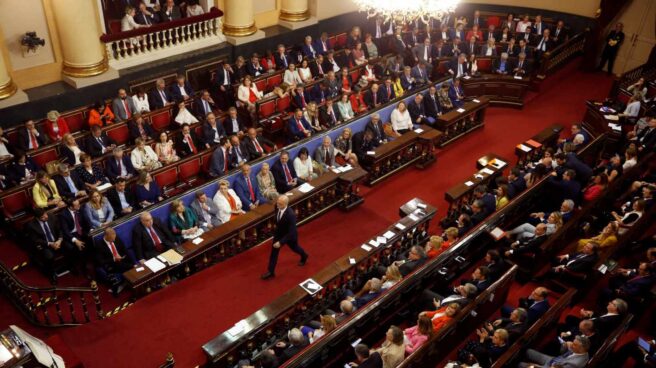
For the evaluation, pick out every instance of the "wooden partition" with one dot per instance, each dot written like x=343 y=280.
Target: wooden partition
x=455 y=124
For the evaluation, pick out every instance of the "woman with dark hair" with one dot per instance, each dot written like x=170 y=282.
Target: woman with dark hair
x=536 y=175
x=23 y=169
x=303 y=165
x=417 y=335
x=594 y=190
x=100 y=115
x=147 y=190
x=393 y=349
x=91 y=175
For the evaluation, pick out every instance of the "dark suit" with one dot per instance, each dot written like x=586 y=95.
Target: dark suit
x=112 y=170
x=561 y=36
x=565 y=189
x=254 y=70
x=282 y=186
x=317 y=69
x=168 y=16
x=209 y=133
x=372 y=99
x=240 y=187
x=228 y=126
x=24 y=139
x=67 y=224
x=95 y=146
x=63 y=188
x=516 y=186
x=377 y=130
x=184 y=148
x=251 y=147
x=144 y=19
x=294 y=129
x=143 y=245
x=176 y=92
x=285 y=234
x=361 y=146
x=326 y=119
x=579 y=262
x=115 y=201
x=202 y=108
x=136 y=133
x=155 y=99
x=309 y=51
x=523 y=69
x=431 y=105
x=417 y=111
x=39 y=242
x=410 y=265
x=105 y=258
x=218 y=164
x=300 y=101
x=583 y=171
x=282 y=61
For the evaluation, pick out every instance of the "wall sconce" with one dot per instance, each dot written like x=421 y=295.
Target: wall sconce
x=31 y=41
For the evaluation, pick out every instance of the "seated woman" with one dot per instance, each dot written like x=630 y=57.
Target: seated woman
x=141 y=104
x=392 y=276
x=345 y=80
x=164 y=149
x=393 y=349
x=328 y=324
x=527 y=230
x=502 y=196
x=344 y=107
x=533 y=177
x=143 y=157
x=398 y=86
x=613 y=169
x=472 y=65
x=630 y=158
x=182 y=221
x=70 y=151
x=344 y=147
x=358 y=54
x=267 y=183
x=487 y=349
x=291 y=76
x=6 y=148
x=100 y=115
x=91 y=175
x=147 y=190
x=435 y=246
x=417 y=335
x=451 y=235
x=248 y=94
x=22 y=169
x=443 y=98
x=630 y=217
x=607 y=237
x=194 y=9
x=443 y=315
x=370 y=46
x=305 y=72
x=357 y=101
x=56 y=126
x=184 y=116
x=228 y=202
x=98 y=211
x=400 y=118
x=303 y=165
x=311 y=114
x=45 y=193
x=596 y=188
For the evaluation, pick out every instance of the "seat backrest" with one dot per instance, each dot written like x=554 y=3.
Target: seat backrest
x=167 y=178
x=261 y=84
x=283 y=104
x=76 y=121
x=484 y=65
x=274 y=80
x=119 y=133
x=43 y=157
x=206 y=158
x=341 y=40
x=161 y=120
x=189 y=169
x=266 y=109
x=493 y=20
x=15 y=204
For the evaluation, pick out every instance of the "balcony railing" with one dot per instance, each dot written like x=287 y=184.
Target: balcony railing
x=130 y=48
x=561 y=55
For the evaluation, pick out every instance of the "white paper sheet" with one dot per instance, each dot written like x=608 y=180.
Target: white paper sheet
x=352 y=260
x=612 y=117
x=496 y=233
x=400 y=226
x=487 y=171
x=413 y=217
x=421 y=205
x=460 y=110
x=469 y=183
x=517 y=77
x=477 y=101
x=524 y=148
x=381 y=240
x=371 y=153
x=154 y=264
x=419 y=130
x=305 y=188
x=103 y=186
x=389 y=235
x=365 y=247
x=374 y=243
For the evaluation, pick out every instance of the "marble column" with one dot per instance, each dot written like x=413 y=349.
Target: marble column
x=294 y=10
x=7 y=86
x=238 y=18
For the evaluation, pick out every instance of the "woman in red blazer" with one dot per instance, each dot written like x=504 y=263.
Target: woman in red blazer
x=56 y=126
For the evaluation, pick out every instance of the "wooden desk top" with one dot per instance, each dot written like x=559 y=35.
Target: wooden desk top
x=469 y=107
x=458 y=191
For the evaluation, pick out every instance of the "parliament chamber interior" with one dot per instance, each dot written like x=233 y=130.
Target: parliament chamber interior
x=315 y=183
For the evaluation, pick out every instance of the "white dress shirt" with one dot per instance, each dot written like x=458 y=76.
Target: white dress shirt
x=401 y=120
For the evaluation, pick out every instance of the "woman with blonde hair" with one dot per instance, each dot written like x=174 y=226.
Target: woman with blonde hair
x=417 y=335
x=451 y=237
x=182 y=220
x=328 y=324
x=435 y=246
x=311 y=114
x=228 y=202
x=70 y=151
x=267 y=183
x=143 y=157
x=344 y=147
x=392 y=276
x=400 y=118
x=607 y=237
x=98 y=210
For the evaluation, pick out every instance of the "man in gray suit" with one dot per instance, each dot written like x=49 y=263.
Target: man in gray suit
x=123 y=106
x=424 y=52
x=575 y=356
x=325 y=154
x=206 y=211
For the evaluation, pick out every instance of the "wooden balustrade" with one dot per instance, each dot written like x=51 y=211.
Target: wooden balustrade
x=52 y=306
x=559 y=56
x=131 y=48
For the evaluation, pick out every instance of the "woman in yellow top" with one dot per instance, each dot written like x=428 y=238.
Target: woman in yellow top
x=607 y=237
x=502 y=196
x=45 y=193
x=396 y=84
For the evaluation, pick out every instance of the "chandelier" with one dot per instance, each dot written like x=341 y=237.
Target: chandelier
x=407 y=11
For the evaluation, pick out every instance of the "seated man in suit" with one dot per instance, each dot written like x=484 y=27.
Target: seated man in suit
x=139 y=128
x=98 y=143
x=300 y=98
x=457 y=94
x=545 y=44
x=605 y=319
x=298 y=127
x=224 y=91
x=308 y=49
x=316 y=67
x=372 y=97
x=375 y=126
x=74 y=227
x=232 y=124
x=146 y=15
x=284 y=174
x=634 y=288
x=112 y=258
x=420 y=73
x=204 y=105
x=515 y=324
x=407 y=79
x=536 y=305
x=575 y=357
x=254 y=68
x=325 y=154
x=458 y=67
x=123 y=106
x=364 y=142
x=463 y=295
x=566 y=188
x=524 y=49
x=329 y=114
x=181 y=90
x=516 y=182
x=560 y=32
x=47 y=241
x=585 y=328
x=68 y=184
x=238 y=151
x=416 y=257
x=479 y=278
x=255 y=144
x=122 y=200
x=31 y=138
x=212 y=131
x=150 y=238
x=187 y=143
x=370 y=291
x=417 y=112
x=159 y=97
x=281 y=58
x=245 y=185
x=431 y=105
x=502 y=65
x=206 y=210
x=529 y=245
x=119 y=166
x=169 y=11
x=222 y=160
x=579 y=262
x=284 y=351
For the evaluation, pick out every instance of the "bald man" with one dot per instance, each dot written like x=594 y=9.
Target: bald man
x=112 y=260
x=150 y=238
x=285 y=234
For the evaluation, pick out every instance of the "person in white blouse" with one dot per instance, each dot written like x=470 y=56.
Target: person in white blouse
x=4 y=146
x=303 y=165
x=193 y=9
x=128 y=24
x=141 y=101
x=401 y=120
x=631 y=158
x=633 y=106
x=490 y=49
x=143 y=157
x=345 y=108
x=291 y=76
x=248 y=94
x=228 y=202
x=184 y=116
x=304 y=71
x=522 y=24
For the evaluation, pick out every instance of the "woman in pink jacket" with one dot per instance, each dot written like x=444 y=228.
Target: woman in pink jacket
x=417 y=335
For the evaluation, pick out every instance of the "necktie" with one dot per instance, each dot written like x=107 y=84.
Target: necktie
x=71 y=185
x=389 y=92
x=332 y=116
x=227 y=77
x=164 y=101
x=300 y=126
x=288 y=175
x=327 y=157
x=540 y=46
x=127 y=109
x=146 y=19
x=258 y=148
x=303 y=101
x=375 y=99
x=250 y=189
x=76 y=218
x=207 y=107
x=49 y=236
x=225 y=161
x=557 y=32
x=120 y=167
x=459 y=70
x=280 y=213
x=101 y=143
x=114 y=251
x=284 y=59
x=190 y=142
x=156 y=240
x=35 y=143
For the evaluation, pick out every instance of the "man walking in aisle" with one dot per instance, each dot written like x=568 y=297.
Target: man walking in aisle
x=285 y=234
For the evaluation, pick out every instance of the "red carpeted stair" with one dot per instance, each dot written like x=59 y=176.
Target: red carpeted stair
x=185 y=315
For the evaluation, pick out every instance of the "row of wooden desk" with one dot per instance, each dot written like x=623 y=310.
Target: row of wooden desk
x=489 y=167
x=458 y=122
x=501 y=90
x=252 y=228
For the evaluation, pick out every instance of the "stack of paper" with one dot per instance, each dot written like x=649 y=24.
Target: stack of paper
x=498 y=163
x=615 y=127
x=469 y=183
x=374 y=243
x=371 y=153
x=172 y=257
x=198 y=233
x=485 y=170
x=518 y=77
x=419 y=130
x=400 y=226
x=497 y=233
x=524 y=148
x=381 y=239
x=237 y=328
x=154 y=264
x=103 y=186
x=365 y=247
x=389 y=235
x=460 y=110
x=305 y=188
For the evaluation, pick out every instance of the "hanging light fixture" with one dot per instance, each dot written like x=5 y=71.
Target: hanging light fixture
x=407 y=11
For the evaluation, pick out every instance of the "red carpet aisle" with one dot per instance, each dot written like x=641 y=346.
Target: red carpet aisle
x=184 y=316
